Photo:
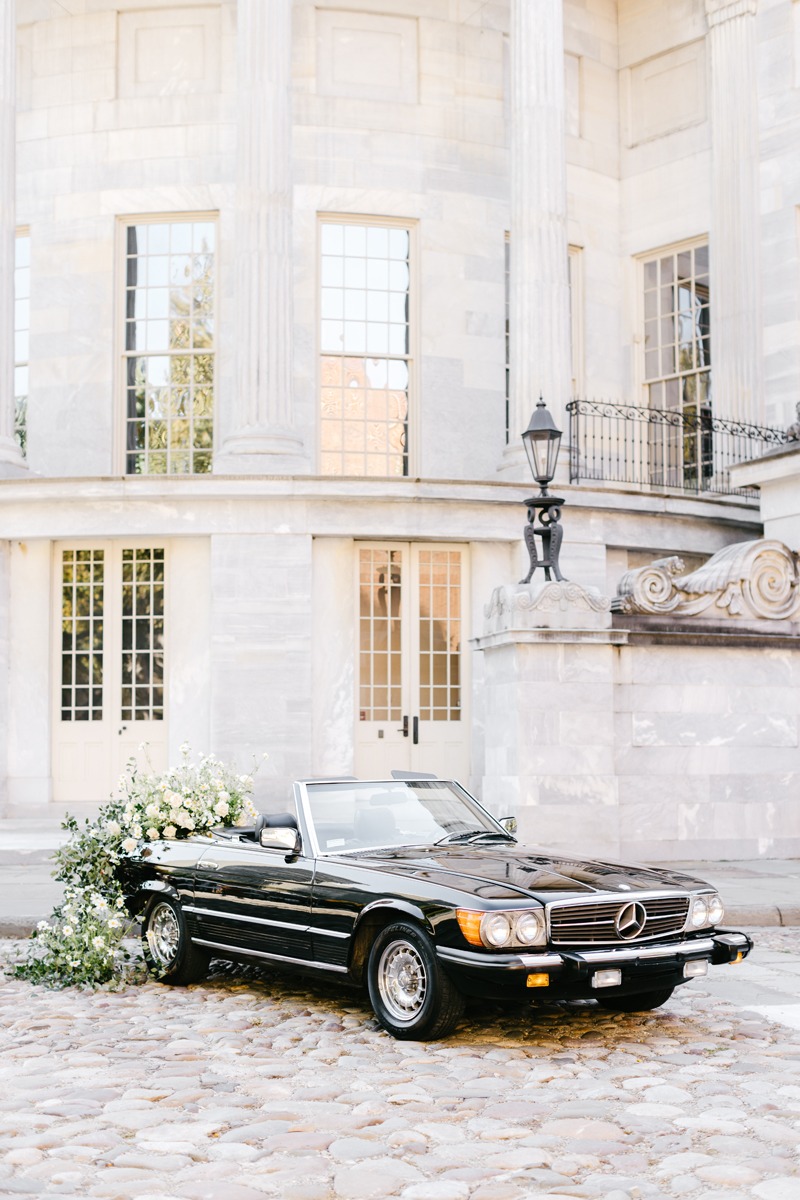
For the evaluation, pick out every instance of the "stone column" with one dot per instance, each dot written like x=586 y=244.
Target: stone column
x=735 y=236
x=539 y=299
x=11 y=461
x=260 y=434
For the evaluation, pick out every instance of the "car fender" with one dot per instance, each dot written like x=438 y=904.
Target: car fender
x=403 y=908
x=152 y=887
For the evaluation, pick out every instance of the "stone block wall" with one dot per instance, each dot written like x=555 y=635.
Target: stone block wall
x=614 y=745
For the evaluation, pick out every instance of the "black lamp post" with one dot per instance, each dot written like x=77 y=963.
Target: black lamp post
x=542 y=441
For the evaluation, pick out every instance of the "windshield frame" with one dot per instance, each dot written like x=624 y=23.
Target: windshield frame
x=303 y=802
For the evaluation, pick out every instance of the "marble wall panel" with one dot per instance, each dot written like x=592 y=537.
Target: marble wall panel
x=5 y=588
x=261 y=655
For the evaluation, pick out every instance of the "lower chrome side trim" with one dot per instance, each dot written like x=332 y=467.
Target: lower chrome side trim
x=239 y=950
x=227 y=916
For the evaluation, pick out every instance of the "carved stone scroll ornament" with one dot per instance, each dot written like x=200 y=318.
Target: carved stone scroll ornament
x=749 y=580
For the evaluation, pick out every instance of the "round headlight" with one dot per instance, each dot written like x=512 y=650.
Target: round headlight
x=529 y=928
x=496 y=929
x=716 y=910
x=699 y=912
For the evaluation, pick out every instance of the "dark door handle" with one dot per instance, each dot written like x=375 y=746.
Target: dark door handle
x=415 y=735
x=404 y=730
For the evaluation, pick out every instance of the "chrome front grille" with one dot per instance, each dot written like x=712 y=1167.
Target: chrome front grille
x=595 y=921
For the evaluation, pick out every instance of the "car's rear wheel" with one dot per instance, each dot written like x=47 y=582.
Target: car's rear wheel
x=411 y=995
x=169 y=952
x=643 y=1002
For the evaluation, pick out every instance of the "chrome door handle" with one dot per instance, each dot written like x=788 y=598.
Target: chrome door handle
x=212 y=866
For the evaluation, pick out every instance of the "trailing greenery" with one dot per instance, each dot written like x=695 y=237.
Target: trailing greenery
x=82 y=943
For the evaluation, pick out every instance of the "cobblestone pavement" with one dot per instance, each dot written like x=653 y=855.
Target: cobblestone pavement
x=254 y=1085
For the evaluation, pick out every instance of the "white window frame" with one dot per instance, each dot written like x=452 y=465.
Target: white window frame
x=411 y=226
x=692 y=243
x=120 y=421
x=576 y=319
x=22 y=232
x=643 y=384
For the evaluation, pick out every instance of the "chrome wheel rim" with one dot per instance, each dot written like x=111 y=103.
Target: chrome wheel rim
x=163 y=934
x=402 y=982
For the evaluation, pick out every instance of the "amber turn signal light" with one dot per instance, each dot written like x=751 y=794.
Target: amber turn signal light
x=470 y=925
x=542 y=980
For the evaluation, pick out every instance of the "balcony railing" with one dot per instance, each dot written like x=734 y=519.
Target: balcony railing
x=691 y=450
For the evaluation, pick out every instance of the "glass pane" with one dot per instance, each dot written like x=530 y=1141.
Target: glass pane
x=364 y=313
x=380 y=582
x=170 y=340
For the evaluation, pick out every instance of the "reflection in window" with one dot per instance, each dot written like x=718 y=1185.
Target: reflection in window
x=22 y=325
x=82 y=586
x=439 y=635
x=169 y=347
x=380 y=635
x=365 y=345
x=677 y=365
x=142 y=635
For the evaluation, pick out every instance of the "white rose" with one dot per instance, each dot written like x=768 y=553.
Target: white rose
x=170 y=831
x=129 y=845
x=221 y=808
x=114 y=828
x=152 y=833
x=151 y=810
x=224 y=796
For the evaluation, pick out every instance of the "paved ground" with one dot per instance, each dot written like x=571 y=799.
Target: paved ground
x=252 y=1085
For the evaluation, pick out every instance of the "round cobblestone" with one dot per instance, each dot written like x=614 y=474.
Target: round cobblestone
x=254 y=1086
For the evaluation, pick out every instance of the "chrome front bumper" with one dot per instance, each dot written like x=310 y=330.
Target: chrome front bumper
x=723 y=946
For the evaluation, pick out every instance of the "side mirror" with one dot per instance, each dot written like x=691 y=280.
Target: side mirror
x=509 y=824
x=282 y=837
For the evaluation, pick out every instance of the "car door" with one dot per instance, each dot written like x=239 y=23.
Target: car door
x=250 y=898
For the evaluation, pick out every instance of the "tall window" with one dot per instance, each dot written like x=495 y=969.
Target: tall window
x=365 y=348
x=169 y=346
x=22 y=325
x=677 y=364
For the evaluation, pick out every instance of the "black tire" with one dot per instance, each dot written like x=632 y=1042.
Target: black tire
x=409 y=992
x=644 y=1002
x=170 y=954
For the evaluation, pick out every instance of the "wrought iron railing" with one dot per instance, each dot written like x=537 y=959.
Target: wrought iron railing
x=662 y=448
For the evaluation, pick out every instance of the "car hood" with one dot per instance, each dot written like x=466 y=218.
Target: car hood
x=500 y=872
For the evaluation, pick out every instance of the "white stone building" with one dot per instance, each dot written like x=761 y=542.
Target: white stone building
x=270 y=394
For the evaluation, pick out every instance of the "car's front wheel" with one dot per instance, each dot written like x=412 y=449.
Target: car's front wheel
x=643 y=1002
x=411 y=995
x=168 y=950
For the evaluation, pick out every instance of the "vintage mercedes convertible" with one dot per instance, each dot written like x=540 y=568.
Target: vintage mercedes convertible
x=410 y=886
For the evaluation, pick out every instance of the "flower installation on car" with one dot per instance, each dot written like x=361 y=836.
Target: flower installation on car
x=83 y=941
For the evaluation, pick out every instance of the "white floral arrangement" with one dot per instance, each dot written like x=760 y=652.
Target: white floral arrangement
x=82 y=944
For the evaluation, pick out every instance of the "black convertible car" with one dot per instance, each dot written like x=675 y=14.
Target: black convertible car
x=411 y=886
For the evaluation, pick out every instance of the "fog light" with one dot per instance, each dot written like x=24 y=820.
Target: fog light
x=608 y=978
x=699 y=966
x=542 y=980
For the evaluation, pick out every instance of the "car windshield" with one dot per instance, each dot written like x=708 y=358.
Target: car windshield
x=364 y=816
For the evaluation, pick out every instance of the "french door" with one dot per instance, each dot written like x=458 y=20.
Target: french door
x=109 y=666
x=412 y=688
